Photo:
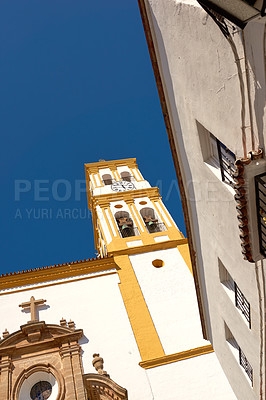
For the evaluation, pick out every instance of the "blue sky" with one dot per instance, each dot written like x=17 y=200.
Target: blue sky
x=76 y=86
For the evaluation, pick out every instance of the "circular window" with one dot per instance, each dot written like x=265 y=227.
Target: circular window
x=158 y=263
x=143 y=203
x=41 y=391
x=40 y=384
x=118 y=206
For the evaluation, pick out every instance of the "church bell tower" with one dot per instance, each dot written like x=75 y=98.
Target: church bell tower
x=128 y=214
x=132 y=225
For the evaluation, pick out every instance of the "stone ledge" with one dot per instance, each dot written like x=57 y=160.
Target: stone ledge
x=183 y=355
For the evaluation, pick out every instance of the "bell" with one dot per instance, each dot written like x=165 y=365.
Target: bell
x=150 y=223
x=124 y=227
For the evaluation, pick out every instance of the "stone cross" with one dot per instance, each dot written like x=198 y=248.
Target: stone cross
x=32 y=304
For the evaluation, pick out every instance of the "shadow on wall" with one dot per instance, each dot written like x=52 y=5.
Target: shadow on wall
x=255 y=43
x=176 y=126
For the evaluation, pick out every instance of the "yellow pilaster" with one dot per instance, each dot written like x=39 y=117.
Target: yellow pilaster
x=158 y=211
x=130 y=203
x=146 y=336
x=107 y=222
x=140 y=217
x=133 y=173
x=94 y=180
x=101 y=183
x=113 y=220
x=184 y=251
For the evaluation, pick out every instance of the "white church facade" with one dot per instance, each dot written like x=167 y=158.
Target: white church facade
x=133 y=307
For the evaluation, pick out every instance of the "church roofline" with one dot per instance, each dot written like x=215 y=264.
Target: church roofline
x=57 y=271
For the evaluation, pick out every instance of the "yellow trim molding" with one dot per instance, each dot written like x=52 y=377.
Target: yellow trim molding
x=117 y=246
x=130 y=162
x=127 y=195
x=183 y=355
x=184 y=251
x=59 y=283
x=145 y=333
x=52 y=273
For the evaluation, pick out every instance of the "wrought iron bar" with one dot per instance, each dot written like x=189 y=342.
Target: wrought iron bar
x=227 y=162
x=245 y=364
x=260 y=185
x=242 y=304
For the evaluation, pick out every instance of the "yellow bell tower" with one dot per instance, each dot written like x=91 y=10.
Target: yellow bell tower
x=128 y=214
x=132 y=225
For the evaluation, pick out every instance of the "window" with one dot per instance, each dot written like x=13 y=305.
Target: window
x=107 y=179
x=239 y=354
x=125 y=176
x=226 y=161
x=245 y=364
x=217 y=155
x=125 y=224
x=235 y=293
x=151 y=221
x=260 y=182
x=242 y=304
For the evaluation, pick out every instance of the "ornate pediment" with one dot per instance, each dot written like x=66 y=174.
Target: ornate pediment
x=38 y=335
x=45 y=359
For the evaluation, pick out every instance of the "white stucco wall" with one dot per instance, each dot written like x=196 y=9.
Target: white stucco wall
x=203 y=376
x=96 y=306
x=201 y=84
x=170 y=298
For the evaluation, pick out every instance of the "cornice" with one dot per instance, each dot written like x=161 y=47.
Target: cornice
x=130 y=162
x=183 y=355
x=169 y=244
x=55 y=272
x=127 y=196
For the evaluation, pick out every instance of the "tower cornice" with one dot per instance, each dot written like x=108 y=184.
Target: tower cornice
x=128 y=196
x=130 y=162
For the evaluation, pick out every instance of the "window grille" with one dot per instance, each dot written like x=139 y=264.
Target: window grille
x=246 y=365
x=242 y=304
x=226 y=162
x=260 y=184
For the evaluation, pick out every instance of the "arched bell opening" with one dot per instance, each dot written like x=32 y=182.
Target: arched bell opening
x=125 y=224
x=107 y=179
x=125 y=176
x=151 y=220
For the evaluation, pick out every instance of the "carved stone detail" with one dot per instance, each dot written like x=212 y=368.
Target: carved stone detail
x=40 y=347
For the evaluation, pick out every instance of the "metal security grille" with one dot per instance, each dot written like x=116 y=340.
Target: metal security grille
x=246 y=365
x=227 y=163
x=260 y=184
x=242 y=304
